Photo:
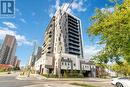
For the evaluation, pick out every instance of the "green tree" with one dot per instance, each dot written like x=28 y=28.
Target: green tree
x=122 y=69
x=113 y=29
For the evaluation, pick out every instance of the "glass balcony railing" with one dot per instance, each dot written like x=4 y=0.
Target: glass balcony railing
x=74 y=47
x=74 y=52
x=72 y=18
x=74 y=40
x=73 y=23
x=73 y=29
x=73 y=36
x=70 y=42
x=70 y=25
x=73 y=33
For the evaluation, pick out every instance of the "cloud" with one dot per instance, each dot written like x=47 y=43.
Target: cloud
x=77 y=5
x=57 y=4
x=21 y=39
x=18 y=11
x=22 y=20
x=65 y=7
x=90 y=51
x=51 y=12
x=9 y=24
x=111 y=9
x=53 y=8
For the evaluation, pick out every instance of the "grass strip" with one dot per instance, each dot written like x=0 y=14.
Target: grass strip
x=83 y=85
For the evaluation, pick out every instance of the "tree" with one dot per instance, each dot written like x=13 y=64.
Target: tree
x=113 y=29
x=123 y=69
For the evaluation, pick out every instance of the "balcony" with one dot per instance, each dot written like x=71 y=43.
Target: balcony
x=73 y=23
x=73 y=29
x=73 y=26
x=74 y=47
x=74 y=33
x=72 y=39
x=75 y=44
x=72 y=18
x=74 y=52
x=73 y=36
x=47 y=37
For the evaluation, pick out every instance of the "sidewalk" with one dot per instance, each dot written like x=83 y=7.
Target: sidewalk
x=80 y=79
x=3 y=73
x=39 y=77
x=31 y=77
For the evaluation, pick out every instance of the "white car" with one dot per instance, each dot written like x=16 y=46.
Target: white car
x=121 y=82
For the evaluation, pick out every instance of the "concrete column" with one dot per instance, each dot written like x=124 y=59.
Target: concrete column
x=55 y=70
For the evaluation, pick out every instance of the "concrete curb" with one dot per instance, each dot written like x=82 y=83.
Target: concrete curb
x=21 y=77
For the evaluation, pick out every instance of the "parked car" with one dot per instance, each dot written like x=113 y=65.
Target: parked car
x=121 y=82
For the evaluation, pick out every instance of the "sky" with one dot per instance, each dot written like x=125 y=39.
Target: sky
x=33 y=16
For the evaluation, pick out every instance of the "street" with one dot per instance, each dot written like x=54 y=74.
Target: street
x=9 y=80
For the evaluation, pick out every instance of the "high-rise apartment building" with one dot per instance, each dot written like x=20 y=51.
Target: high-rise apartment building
x=63 y=35
x=8 y=50
x=62 y=47
x=39 y=51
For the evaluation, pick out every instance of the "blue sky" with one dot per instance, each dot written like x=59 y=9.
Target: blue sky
x=32 y=18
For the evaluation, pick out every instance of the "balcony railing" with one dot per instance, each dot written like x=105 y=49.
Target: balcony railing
x=73 y=23
x=73 y=29
x=73 y=26
x=74 y=47
x=71 y=32
x=70 y=42
x=72 y=18
x=75 y=40
x=74 y=52
x=73 y=36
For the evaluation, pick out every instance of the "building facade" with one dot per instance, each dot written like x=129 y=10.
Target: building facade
x=8 y=50
x=39 y=51
x=62 y=46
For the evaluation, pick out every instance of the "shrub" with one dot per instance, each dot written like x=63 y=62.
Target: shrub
x=52 y=75
x=46 y=75
x=65 y=75
x=80 y=75
x=2 y=70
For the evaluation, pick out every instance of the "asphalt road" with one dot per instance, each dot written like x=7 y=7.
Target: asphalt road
x=11 y=81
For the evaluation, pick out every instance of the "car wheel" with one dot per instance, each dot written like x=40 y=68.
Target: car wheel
x=119 y=85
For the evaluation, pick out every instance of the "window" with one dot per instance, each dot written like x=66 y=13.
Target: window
x=65 y=63
x=59 y=38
